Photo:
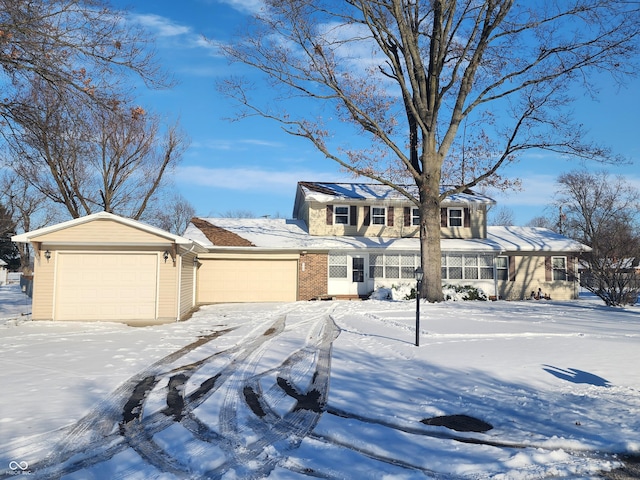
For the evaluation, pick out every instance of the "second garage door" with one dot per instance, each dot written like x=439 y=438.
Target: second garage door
x=106 y=286
x=247 y=280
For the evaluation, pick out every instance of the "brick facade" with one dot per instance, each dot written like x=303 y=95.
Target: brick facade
x=312 y=275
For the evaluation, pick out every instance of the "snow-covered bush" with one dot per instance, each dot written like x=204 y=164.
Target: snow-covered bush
x=463 y=292
x=408 y=292
x=402 y=291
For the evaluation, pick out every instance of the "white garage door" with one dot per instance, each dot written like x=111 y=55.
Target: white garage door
x=105 y=286
x=251 y=280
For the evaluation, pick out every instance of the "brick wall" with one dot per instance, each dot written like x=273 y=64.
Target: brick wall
x=312 y=275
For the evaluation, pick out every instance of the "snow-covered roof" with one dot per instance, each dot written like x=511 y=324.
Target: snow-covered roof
x=293 y=235
x=327 y=192
x=28 y=236
x=533 y=239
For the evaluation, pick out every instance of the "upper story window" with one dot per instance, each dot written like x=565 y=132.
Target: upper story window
x=341 y=215
x=415 y=216
x=455 y=217
x=559 y=266
x=378 y=216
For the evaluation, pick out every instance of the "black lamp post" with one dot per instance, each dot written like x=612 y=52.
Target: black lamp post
x=419 y=275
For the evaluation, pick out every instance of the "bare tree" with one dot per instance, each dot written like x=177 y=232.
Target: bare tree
x=174 y=216
x=542 y=222
x=502 y=216
x=81 y=48
x=28 y=210
x=112 y=157
x=403 y=78
x=604 y=213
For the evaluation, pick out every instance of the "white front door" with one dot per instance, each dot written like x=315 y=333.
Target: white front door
x=359 y=275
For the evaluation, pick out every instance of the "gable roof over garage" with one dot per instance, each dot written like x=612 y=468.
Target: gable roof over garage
x=135 y=232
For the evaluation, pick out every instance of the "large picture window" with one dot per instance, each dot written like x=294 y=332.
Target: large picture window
x=458 y=266
x=393 y=266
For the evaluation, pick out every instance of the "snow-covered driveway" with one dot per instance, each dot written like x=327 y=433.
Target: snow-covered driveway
x=325 y=390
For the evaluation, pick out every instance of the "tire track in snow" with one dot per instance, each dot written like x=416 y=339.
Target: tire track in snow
x=120 y=422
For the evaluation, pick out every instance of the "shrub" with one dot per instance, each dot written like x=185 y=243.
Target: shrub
x=463 y=292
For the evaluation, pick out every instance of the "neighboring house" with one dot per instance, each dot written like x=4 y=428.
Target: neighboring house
x=344 y=241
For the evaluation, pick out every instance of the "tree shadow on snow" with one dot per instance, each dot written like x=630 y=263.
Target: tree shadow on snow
x=574 y=375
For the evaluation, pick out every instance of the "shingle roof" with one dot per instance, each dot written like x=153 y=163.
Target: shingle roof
x=219 y=236
x=375 y=191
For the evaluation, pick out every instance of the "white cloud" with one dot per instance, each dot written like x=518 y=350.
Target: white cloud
x=237 y=144
x=537 y=190
x=161 y=26
x=245 y=6
x=249 y=179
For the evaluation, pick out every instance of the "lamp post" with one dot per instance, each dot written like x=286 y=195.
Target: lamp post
x=419 y=275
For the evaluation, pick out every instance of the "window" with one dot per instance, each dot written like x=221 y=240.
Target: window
x=454 y=266
x=393 y=266
x=470 y=267
x=455 y=217
x=502 y=268
x=341 y=215
x=337 y=266
x=485 y=264
x=457 y=266
x=376 y=265
x=559 y=266
x=415 y=216
x=407 y=266
x=379 y=216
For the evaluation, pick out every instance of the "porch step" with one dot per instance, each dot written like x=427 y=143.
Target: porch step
x=342 y=297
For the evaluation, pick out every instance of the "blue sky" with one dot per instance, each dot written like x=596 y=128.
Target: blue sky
x=253 y=166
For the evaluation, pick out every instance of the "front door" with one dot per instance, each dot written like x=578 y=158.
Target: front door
x=359 y=283
x=357 y=270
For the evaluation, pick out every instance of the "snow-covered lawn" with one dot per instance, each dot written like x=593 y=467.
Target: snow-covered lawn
x=323 y=390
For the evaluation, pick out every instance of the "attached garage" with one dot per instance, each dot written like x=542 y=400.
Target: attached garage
x=109 y=268
x=248 y=277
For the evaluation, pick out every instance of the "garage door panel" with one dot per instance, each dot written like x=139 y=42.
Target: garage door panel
x=233 y=280
x=106 y=286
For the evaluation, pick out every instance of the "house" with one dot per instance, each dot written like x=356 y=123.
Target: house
x=347 y=239
x=344 y=241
